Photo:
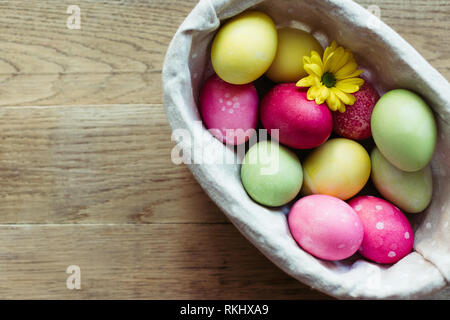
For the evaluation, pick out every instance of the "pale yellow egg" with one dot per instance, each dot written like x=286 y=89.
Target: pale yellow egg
x=244 y=47
x=340 y=168
x=293 y=44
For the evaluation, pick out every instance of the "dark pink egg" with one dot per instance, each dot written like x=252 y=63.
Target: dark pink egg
x=388 y=236
x=230 y=111
x=302 y=123
x=354 y=123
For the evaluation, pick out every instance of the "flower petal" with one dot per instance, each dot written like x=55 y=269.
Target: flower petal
x=322 y=95
x=341 y=108
x=350 y=85
x=333 y=102
x=306 y=60
x=313 y=69
x=337 y=56
x=312 y=92
x=316 y=59
x=354 y=74
x=341 y=58
x=346 y=69
x=346 y=98
x=334 y=45
x=328 y=53
x=327 y=61
x=347 y=88
x=308 y=81
x=356 y=81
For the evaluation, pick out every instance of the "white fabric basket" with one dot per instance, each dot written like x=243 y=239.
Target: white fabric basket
x=391 y=63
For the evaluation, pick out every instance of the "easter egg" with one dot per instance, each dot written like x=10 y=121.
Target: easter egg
x=354 y=123
x=244 y=47
x=271 y=174
x=230 y=111
x=293 y=44
x=326 y=227
x=388 y=235
x=410 y=191
x=340 y=168
x=404 y=129
x=301 y=124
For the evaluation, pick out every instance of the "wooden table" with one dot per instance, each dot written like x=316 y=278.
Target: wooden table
x=85 y=172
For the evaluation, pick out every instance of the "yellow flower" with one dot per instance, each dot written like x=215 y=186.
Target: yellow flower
x=332 y=79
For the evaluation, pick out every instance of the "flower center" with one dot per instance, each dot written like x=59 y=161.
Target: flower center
x=328 y=79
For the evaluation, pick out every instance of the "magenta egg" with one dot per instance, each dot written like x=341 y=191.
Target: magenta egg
x=326 y=227
x=302 y=124
x=388 y=235
x=354 y=123
x=229 y=111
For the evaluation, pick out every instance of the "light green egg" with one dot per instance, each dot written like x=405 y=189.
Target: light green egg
x=271 y=174
x=410 y=191
x=404 y=129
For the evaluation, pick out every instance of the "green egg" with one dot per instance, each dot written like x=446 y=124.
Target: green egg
x=404 y=129
x=410 y=191
x=271 y=174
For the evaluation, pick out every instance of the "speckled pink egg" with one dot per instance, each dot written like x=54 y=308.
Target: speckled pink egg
x=302 y=124
x=326 y=227
x=354 y=123
x=230 y=110
x=388 y=235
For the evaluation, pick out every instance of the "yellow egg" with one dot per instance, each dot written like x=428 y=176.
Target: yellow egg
x=244 y=48
x=340 y=168
x=293 y=44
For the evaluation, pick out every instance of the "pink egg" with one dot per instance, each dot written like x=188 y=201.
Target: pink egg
x=230 y=111
x=388 y=235
x=302 y=123
x=326 y=227
x=354 y=123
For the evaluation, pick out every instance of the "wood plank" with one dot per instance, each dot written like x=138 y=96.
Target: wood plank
x=80 y=89
x=117 y=55
x=156 y=261
x=94 y=164
x=424 y=24
x=115 y=36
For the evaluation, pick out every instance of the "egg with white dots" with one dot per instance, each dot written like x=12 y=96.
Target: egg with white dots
x=231 y=111
x=388 y=236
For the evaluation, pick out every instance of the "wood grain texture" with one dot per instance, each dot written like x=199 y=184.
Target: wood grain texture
x=94 y=164
x=85 y=170
x=116 y=56
x=424 y=24
x=161 y=261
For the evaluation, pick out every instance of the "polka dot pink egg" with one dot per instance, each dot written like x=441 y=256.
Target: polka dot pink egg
x=229 y=111
x=388 y=235
x=326 y=227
